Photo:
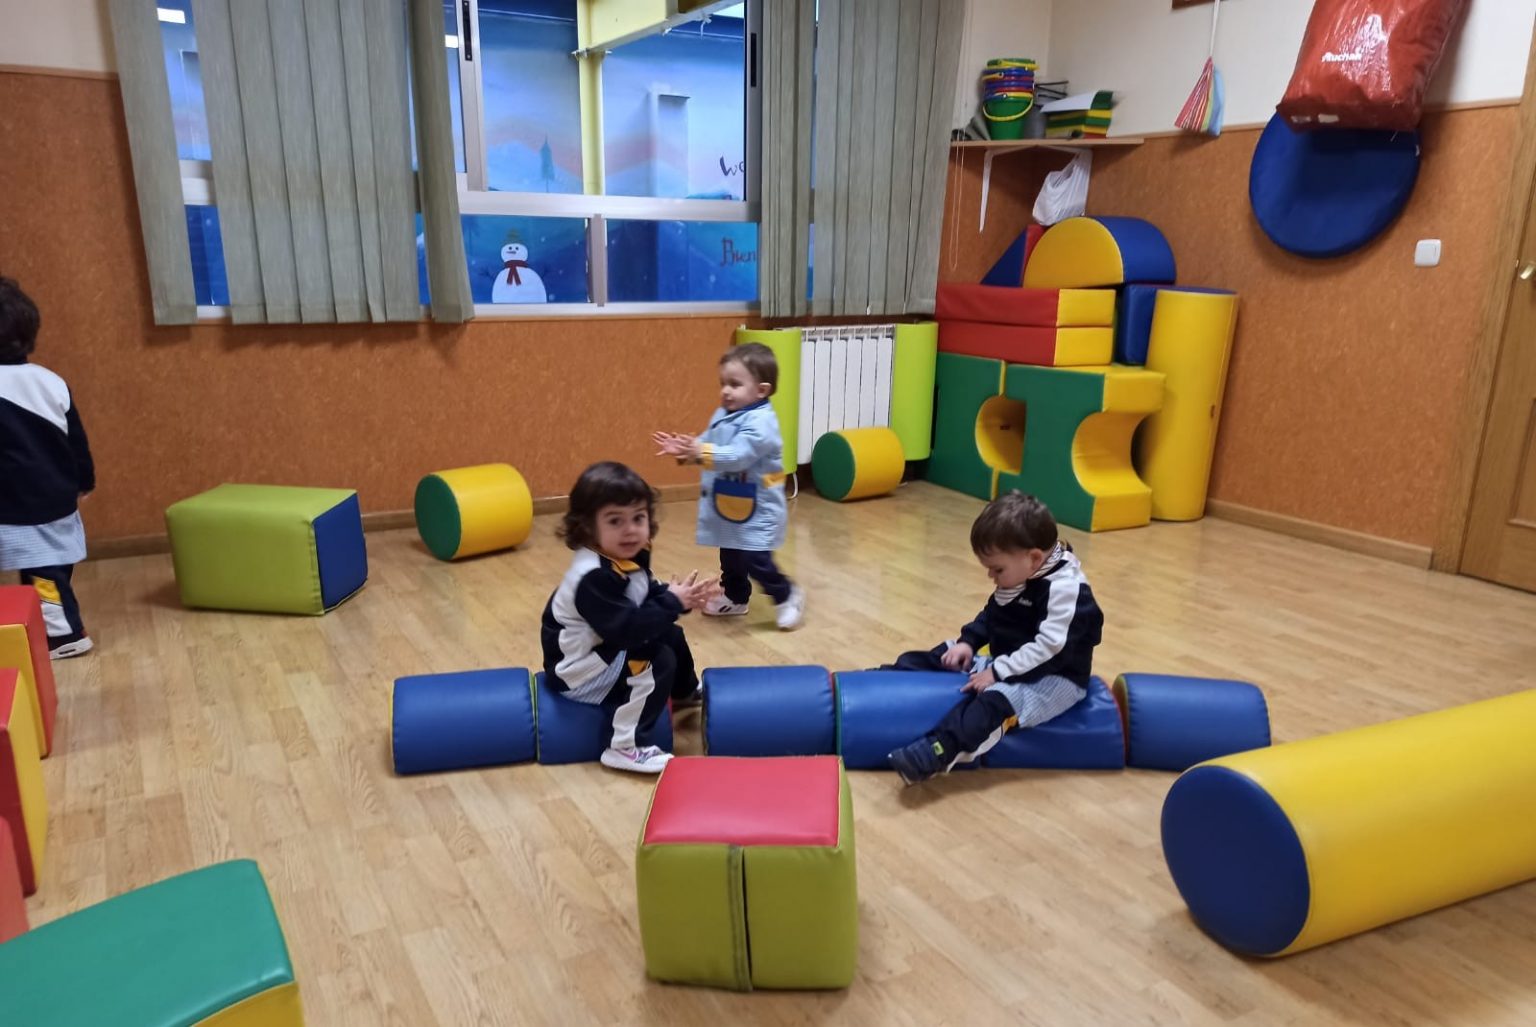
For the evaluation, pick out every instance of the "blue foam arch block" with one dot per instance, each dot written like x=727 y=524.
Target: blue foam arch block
x=769 y=711
x=1174 y=722
x=1086 y=737
x=1145 y=254
x=1329 y=192
x=574 y=732
x=473 y=718
x=881 y=710
x=1251 y=892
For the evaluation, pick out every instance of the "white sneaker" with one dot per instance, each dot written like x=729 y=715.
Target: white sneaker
x=79 y=647
x=792 y=610
x=647 y=760
x=723 y=607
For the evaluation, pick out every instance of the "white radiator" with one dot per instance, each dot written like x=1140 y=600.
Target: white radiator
x=845 y=380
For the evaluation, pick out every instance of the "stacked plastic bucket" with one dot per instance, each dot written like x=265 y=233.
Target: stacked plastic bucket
x=1008 y=94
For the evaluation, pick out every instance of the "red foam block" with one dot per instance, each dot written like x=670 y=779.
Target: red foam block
x=1013 y=344
x=1037 y=308
x=19 y=604
x=13 y=911
x=728 y=800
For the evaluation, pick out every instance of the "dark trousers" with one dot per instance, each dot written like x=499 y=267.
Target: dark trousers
x=61 y=612
x=740 y=567
x=972 y=721
x=654 y=673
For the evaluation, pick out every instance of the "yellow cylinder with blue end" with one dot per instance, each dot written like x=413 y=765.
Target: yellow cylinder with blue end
x=472 y=510
x=1190 y=345
x=856 y=463
x=1282 y=849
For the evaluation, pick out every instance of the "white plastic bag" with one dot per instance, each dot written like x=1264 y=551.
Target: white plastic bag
x=1065 y=193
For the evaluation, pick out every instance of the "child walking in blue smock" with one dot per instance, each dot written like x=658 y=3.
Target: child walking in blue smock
x=742 y=508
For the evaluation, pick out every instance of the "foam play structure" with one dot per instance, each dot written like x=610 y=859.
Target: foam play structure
x=203 y=948
x=481 y=718
x=857 y=463
x=910 y=384
x=1173 y=722
x=472 y=510
x=268 y=548
x=1282 y=849
x=1016 y=406
x=24 y=646
x=745 y=874
x=1078 y=428
x=23 y=803
x=769 y=711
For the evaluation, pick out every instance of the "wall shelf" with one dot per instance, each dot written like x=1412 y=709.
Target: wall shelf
x=999 y=147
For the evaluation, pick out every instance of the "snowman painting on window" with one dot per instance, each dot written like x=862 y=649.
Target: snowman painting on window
x=516 y=282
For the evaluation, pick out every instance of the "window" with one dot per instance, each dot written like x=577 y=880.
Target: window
x=615 y=173
x=641 y=139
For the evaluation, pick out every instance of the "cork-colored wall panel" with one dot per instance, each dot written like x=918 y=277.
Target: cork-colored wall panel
x=172 y=411
x=1347 y=375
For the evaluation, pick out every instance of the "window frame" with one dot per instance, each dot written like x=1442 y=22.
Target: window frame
x=476 y=198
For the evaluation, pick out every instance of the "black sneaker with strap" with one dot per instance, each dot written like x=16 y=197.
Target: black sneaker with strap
x=919 y=761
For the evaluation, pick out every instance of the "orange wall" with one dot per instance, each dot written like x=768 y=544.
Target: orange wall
x=172 y=411
x=1347 y=375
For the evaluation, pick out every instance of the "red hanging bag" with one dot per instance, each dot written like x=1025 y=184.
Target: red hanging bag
x=1367 y=63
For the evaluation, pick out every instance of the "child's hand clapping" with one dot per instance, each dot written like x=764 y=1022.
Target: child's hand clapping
x=692 y=592
x=675 y=444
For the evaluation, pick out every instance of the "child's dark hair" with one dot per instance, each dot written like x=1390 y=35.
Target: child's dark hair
x=1013 y=523
x=18 y=323
x=759 y=361
x=605 y=484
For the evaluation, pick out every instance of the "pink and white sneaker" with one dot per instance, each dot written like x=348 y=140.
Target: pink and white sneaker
x=646 y=760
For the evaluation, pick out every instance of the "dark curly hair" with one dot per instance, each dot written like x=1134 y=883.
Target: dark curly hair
x=18 y=323
x=606 y=484
x=1013 y=523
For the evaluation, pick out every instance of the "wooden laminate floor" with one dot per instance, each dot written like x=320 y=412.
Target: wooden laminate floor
x=506 y=896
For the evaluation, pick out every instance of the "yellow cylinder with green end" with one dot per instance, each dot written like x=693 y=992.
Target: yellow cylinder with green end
x=857 y=463
x=472 y=510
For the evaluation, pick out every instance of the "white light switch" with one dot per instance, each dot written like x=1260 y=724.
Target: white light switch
x=1427 y=253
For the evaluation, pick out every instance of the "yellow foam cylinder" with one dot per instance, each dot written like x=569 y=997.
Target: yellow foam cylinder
x=1191 y=344
x=1282 y=849
x=857 y=463
x=472 y=510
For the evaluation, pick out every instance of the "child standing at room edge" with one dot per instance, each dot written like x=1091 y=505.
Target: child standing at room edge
x=1041 y=624
x=742 y=509
x=45 y=469
x=609 y=632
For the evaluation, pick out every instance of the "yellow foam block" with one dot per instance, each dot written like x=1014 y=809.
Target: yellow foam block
x=1084 y=347
x=467 y=511
x=1086 y=308
x=1102 y=445
x=23 y=802
x=275 y=1007
x=1191 y=344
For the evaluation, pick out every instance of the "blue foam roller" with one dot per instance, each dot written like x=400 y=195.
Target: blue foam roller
x=1174 y=722
x=1089 y=736
x=881 y=710
x=472 y=718
x=574 y=732
x=769 y=711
